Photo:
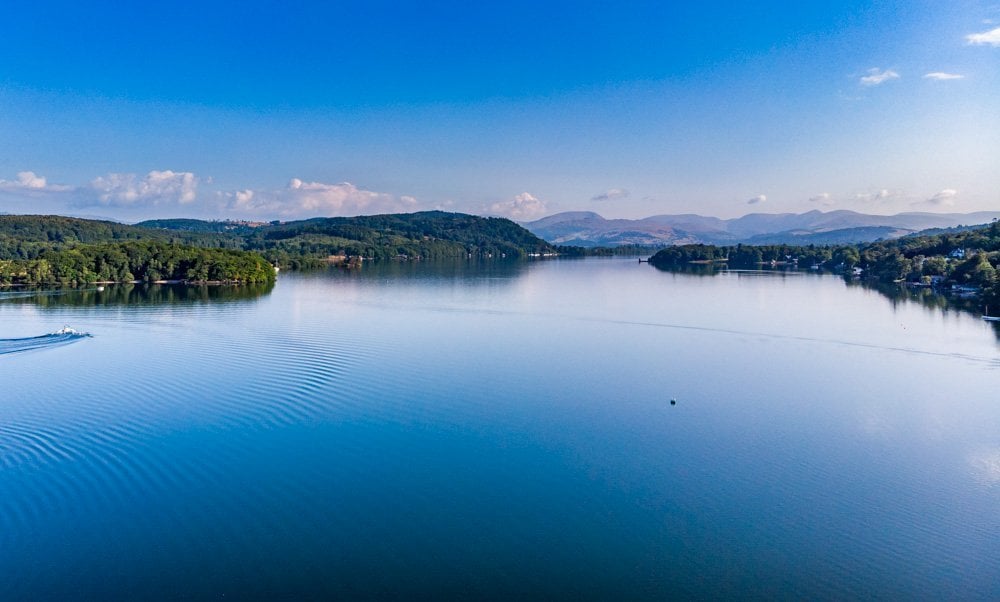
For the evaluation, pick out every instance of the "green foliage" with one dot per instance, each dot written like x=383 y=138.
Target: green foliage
x=197 y=225
x=964 y=256
x=672 y=256
x=148 y=261
x=425 y=235
x=976 y=271
x=28 y=236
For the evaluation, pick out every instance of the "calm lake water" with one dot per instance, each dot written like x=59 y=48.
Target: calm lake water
x=499 y=430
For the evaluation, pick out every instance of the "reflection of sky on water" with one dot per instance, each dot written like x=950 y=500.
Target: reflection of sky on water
x=512 y=415
x=985 y=465
x=946 y=308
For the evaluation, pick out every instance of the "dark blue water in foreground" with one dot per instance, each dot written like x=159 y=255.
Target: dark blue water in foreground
x=500 y=431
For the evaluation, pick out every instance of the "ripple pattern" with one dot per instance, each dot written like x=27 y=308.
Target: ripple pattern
x=58 y=339
x=334 y=441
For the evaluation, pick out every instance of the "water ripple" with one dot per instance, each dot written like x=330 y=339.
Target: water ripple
x=45 y=341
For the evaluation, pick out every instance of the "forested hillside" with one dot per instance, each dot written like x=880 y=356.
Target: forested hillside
x=26 y=236
x=40 y=249
x=425 y=235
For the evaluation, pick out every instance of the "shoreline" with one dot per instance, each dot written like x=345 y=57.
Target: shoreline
x=124 y=282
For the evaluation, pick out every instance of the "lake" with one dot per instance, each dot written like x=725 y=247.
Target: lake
x=590 y=429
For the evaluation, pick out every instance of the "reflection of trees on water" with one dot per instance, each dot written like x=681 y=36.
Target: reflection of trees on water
x=473 y=268
x=136 y=294
x=925 y=296
x=694 y=269
x=897 y=293
x=928 y=298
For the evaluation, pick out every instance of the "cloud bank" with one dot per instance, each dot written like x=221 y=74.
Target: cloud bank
x=121 y=190
x=169 y=192
x=155 y=189
x=945 y=198
x=301 y=199
x=29 y=181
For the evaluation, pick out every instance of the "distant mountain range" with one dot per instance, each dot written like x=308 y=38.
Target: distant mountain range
x=588 y=229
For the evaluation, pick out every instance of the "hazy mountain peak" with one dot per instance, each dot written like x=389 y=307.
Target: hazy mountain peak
x=587 y=228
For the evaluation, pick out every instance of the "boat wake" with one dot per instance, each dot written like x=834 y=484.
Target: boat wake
x=63 y=336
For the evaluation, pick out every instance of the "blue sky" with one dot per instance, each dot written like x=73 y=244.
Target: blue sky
x=263 y=110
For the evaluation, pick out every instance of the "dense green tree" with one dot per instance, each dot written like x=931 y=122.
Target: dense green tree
x=136 y=260
x=425 y=235
x=966 y=256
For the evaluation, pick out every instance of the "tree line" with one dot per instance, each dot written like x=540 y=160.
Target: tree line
x=54 y=249
x=965 y=257
x=423 y=235
x=147 y=261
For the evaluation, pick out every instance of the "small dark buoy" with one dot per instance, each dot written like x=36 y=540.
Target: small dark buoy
x=673 y=402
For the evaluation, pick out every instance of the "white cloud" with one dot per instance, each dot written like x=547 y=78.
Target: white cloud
x=760 y=198
x=314 y=199
x=822 y=198
x=29 y=181
x=168 y=191
x=319 y=197
x=879 y=195
x=611 y=194
x=945 y=198
x=876 y=76
x=523 y=207
x=986 y=38
x=941 y=77
x=241 y=199
x=130 y=190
